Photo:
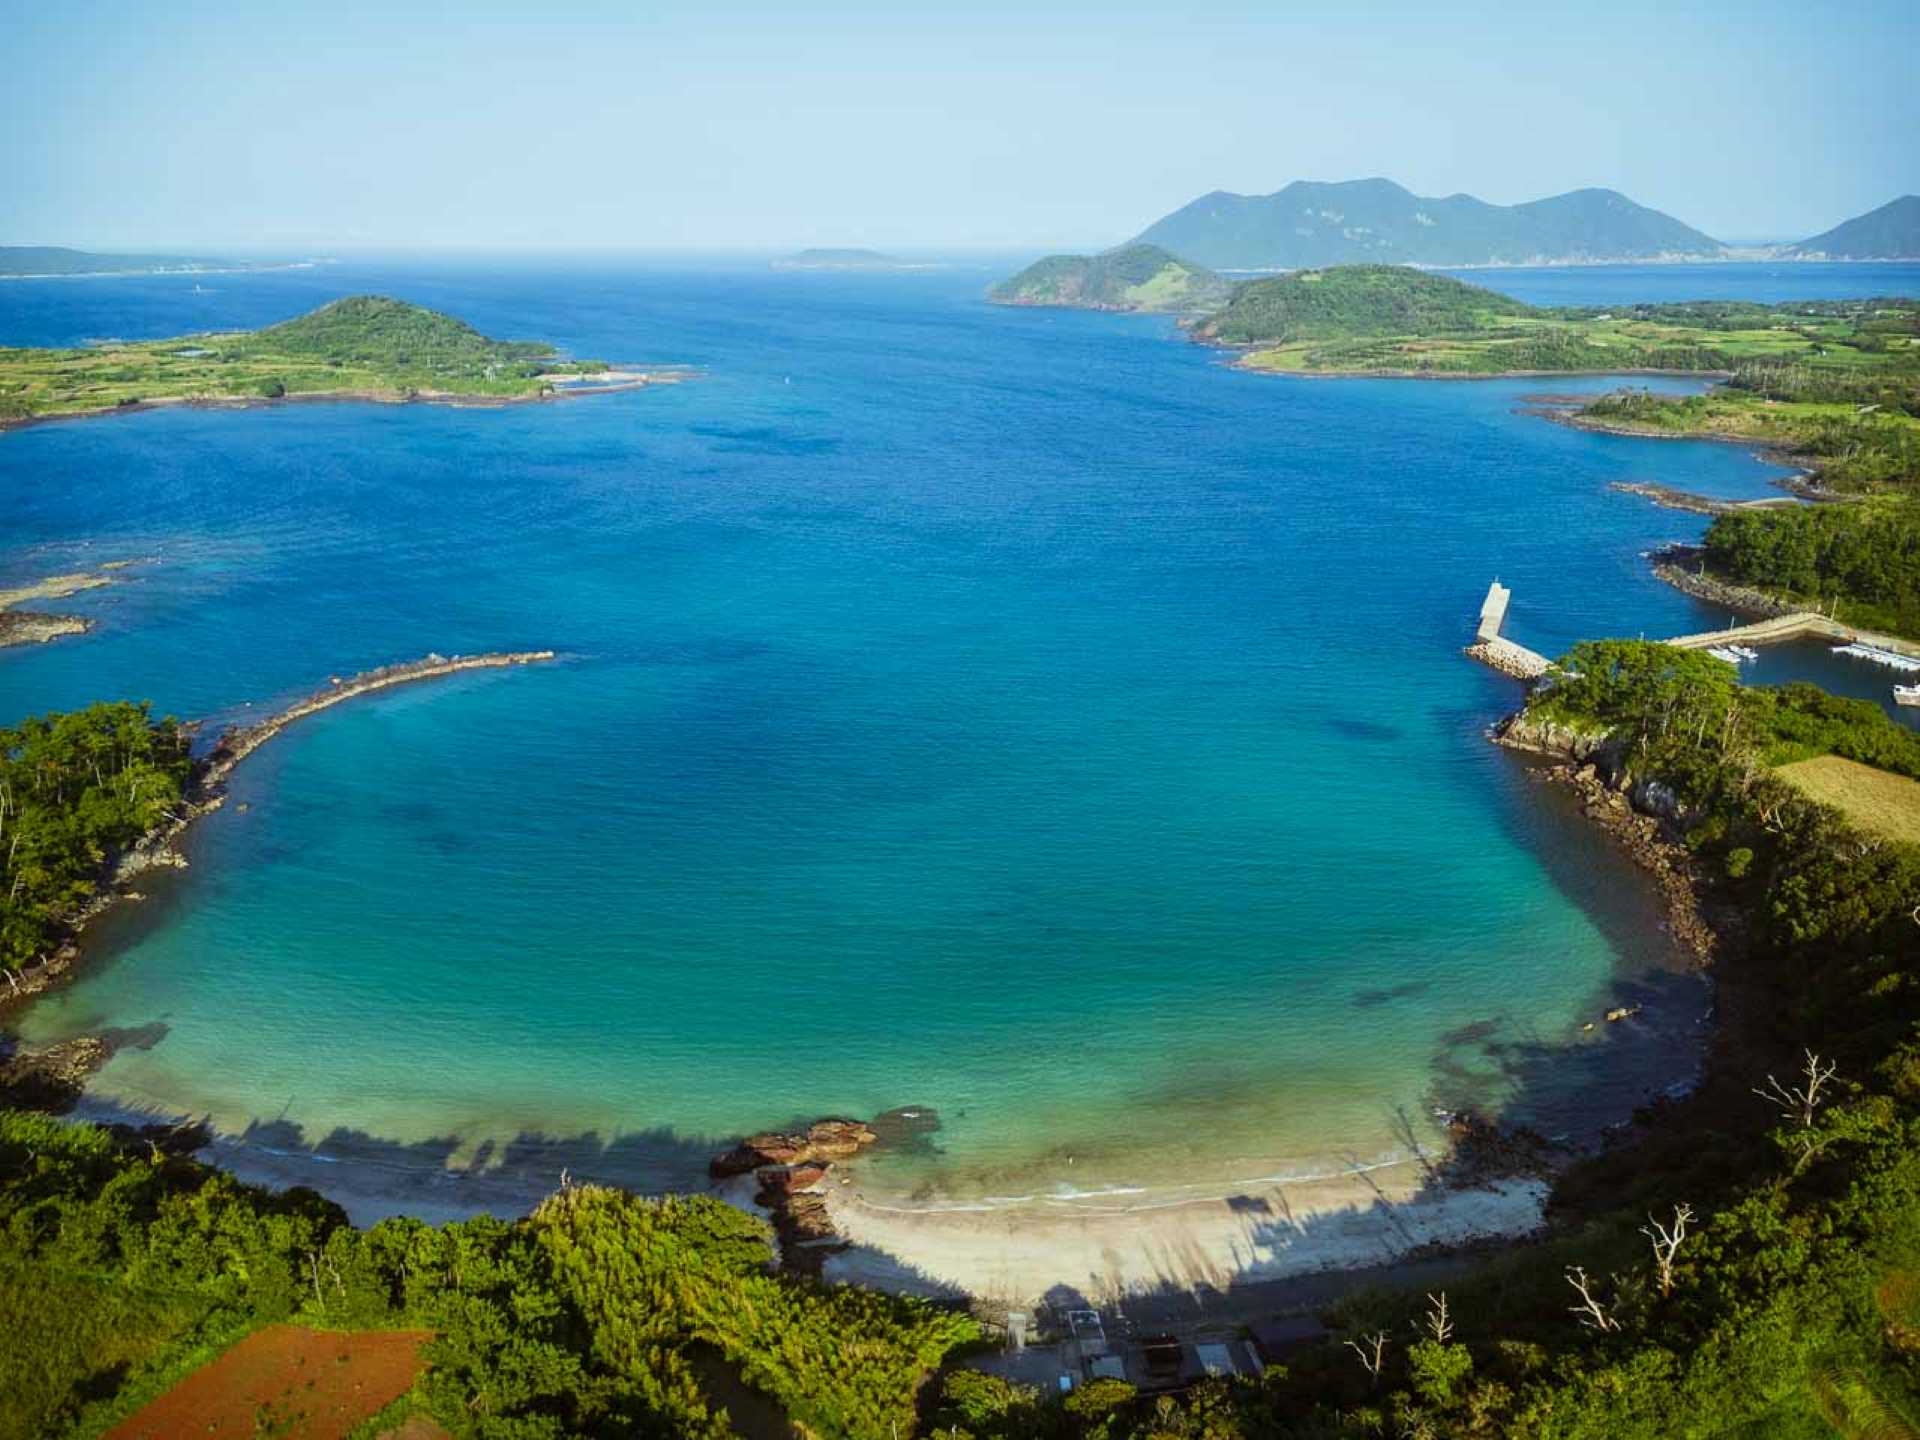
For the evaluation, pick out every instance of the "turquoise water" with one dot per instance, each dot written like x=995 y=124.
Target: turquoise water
x=1012 y=712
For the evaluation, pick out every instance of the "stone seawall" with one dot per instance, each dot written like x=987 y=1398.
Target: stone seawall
x=206 y=792
x=1680 y=566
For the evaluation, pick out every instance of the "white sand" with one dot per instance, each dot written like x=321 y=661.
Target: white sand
x=1107 y=1247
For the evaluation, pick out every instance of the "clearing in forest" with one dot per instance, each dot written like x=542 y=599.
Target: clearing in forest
x=1876 y=800
x=286 y=1381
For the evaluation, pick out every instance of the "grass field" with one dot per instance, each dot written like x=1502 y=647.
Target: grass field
x=1876 y=801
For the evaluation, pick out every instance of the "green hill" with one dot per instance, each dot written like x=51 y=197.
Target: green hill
x=1137 y=277
x=1356 y=302
x=372 y=329
x=1890 y=233
x=1310 y=223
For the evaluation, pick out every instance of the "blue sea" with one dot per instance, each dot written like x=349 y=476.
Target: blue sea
x=1010 y=712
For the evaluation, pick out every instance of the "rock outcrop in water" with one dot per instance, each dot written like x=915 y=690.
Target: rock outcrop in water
x=792 y=1169
x=821 y=1143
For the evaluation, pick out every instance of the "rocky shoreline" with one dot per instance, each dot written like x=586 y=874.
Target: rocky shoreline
x=794 y=1172
x=1668 y=498
x=1684 y=568
x=206 y=793
x=36 y=627
x=1640 y=816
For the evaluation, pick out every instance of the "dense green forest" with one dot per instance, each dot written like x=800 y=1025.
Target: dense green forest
x=75 y=788
x=122 y=1267
x=1866 y=557
x=1138 y=277
x=363 y=345
x=1790 y=1307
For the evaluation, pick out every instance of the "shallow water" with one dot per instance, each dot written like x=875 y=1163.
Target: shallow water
x=1013 y=712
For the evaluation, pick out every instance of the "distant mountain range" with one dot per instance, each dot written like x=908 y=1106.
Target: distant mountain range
x=1890 y=233
x=1311 y=224
x=1134 y=277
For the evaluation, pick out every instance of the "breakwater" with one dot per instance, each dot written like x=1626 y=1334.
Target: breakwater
x=1493 y=649
x=234 y=745
x=206 y=792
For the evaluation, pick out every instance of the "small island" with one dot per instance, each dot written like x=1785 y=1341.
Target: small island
x=847 y=258
x=1135 y=277
x=366 y=347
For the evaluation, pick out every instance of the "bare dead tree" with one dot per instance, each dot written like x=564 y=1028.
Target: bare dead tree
x=1666 y=1241
x=1437 y=1323
x=1799 y=1103
x=1372 y=1350
x=1591 y=1312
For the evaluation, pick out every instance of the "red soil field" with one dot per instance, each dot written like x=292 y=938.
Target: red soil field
x=285 y=1381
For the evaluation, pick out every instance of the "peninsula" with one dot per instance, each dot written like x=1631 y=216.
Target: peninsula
x=1830 y=386
x=1396 y=320
x=48 y=262
x=366 y=347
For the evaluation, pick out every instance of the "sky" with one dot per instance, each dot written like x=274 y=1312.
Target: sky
x=681 y=125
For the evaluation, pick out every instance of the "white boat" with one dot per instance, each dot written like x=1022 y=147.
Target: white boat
x=1906 y=694
x=1892 y=659
x=1721 y=652
x=1745 y=652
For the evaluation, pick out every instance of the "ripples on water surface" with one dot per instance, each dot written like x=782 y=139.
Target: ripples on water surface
x=1008 y=711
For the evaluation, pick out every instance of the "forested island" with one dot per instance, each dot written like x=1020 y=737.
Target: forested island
x=366 y=346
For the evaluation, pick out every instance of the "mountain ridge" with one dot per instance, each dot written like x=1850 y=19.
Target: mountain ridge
x=1310 y=224
x=1890 y=232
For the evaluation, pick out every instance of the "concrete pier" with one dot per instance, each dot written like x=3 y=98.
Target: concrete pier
x=1493 y=649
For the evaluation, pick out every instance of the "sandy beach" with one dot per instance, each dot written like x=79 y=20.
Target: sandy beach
x=1108 y=1247
x=1100 y=1247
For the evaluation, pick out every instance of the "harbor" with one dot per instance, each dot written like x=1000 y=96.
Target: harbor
x=1737 y=644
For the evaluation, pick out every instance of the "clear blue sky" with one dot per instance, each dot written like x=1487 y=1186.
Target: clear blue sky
x=741 y=122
